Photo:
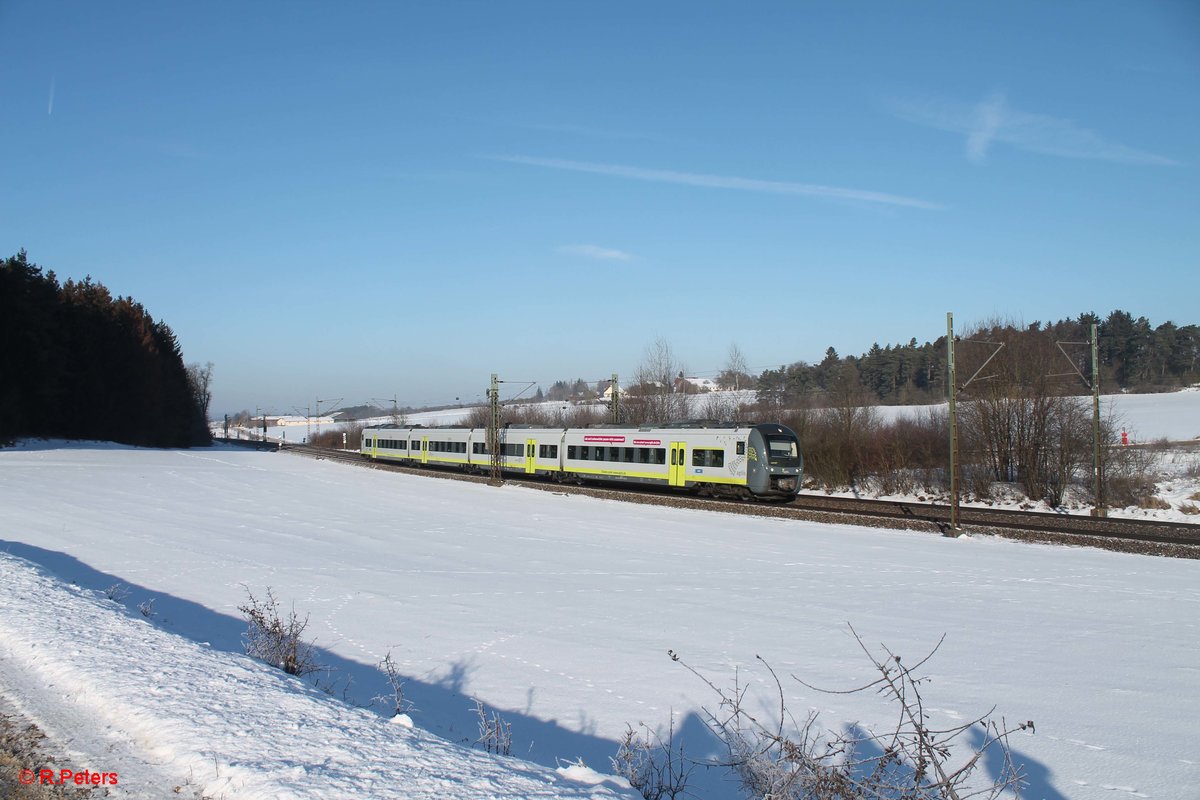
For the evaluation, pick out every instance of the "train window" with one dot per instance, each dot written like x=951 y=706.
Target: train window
x=614 y=454
x=708 y=457
x=366 y=442
x=781 y=447
x=570 y=451
x=741 y=448
x=547 y=451
x=660 y=455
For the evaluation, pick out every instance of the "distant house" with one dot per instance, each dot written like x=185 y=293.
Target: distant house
x=695 y=385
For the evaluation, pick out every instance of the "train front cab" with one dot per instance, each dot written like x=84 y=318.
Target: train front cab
x=775 y=465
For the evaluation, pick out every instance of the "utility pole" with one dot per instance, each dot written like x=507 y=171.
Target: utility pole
x=494 y=443
x=334 y=403
x=259 y=410
x=615 y=405
x=951 y=385
x=1099 y=510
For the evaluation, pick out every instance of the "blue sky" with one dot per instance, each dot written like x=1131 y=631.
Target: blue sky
x=377 y=200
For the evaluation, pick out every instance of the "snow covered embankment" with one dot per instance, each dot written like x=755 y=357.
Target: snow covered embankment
x=171 y=717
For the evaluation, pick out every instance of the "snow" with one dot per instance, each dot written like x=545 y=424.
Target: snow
x=1174 y=416
x=174 y=713
x=555 y=611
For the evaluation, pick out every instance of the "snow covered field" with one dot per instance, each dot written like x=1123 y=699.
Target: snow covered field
x=556 y=611
x=1174 y=416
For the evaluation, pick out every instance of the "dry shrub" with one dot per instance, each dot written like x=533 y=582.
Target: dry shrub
x=1190 y=508
x=654 y=766
x=276 y=639
x=332 y=437
x=495 y=734
x=1153 y=501
x=907 y=758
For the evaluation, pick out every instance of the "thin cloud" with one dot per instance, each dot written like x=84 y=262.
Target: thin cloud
x=595 y=252
x=994 y=120
x=989 y=115
x=721 y=181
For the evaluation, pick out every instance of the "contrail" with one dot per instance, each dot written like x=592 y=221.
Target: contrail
x=721 y=181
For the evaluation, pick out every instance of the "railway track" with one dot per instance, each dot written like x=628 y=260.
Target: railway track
x=1114 y=533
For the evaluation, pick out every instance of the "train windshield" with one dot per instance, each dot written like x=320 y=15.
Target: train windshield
x=782 y=447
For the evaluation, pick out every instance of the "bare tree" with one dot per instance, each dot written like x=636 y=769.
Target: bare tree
x=734 y=375
x=837 y=441
x=1017 y=420
x=200 y=382
x=653 y=397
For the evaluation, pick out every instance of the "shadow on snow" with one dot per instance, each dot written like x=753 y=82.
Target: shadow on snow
x=442 y=707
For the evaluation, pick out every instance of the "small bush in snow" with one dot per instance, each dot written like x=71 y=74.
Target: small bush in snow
x=118 y=593
x=146 y=607
x=655 y=768
x=396 y=699
x=906 y=759
x=494 y=733
x=276 y=639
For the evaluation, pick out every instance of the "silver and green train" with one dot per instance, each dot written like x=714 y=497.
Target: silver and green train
x=741 y=460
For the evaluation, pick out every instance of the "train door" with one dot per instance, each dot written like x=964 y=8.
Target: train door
x=678 y=471
x=531 y=456
x=424 y=449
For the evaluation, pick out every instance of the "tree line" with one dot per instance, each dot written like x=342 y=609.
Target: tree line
x=78 y=363
x=1134 y=356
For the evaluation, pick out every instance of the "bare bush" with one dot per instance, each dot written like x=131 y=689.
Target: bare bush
x=275 y=639
x=719 y=406
x=146 y=608
x=118 y=592
x=1129 y=475
x=494 y=733
x=654 y=767
x=348 y=435
x=776 y=757
x=1016 y=416
x=837 y=440
x=396 y=699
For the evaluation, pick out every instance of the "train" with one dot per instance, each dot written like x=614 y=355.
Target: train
x=742 y=460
